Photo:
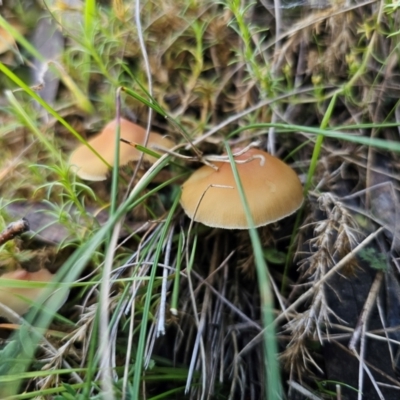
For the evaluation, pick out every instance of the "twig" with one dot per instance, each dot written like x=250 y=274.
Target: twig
x=338 y=392
x=371 y=366
x=365 y=367
x=366 y=311
x=303 y=390
x=14 y=229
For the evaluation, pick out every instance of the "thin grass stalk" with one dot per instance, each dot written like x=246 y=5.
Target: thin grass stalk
x=189 y=267
x=91 y=362
x=105 y=344
x=274 y=387
x=175 y=291
x=146 y=308
x=115 y=171
x=318 y=144
x=331 y=133
x=32 y=126
x=152 y=103
x=21 y=39
x=48 y=392
x=150 y=245
x=88 y=27
x=40 y=374
x=82 y=100
x=164 y=284
x=147 y=68
x=149 y=103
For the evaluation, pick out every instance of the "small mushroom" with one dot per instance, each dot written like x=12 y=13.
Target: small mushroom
x=90 y=167
x=273 y=191
x=7 y=41
x=19 y=299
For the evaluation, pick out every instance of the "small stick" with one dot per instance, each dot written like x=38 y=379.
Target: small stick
x=366 y=311
x=338 y=392
x=14 y=229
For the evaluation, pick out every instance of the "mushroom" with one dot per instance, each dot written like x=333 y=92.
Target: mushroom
x=90 y=167
x=19 y=299
x=272 y=189
x=7 y=41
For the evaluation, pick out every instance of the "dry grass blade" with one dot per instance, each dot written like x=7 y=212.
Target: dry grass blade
x=370 y=302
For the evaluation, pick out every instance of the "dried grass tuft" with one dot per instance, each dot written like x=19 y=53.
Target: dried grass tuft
x=334 y=237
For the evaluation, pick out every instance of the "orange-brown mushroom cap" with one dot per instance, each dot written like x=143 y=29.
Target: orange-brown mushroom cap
x=19 y=299
x=273 y=191
x=7 y=41
x=90 y=167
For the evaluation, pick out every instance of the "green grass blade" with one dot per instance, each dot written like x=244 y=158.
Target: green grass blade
x=318 y=144
x=20 y=39
x=32 y=125
x=274 y=387
x=146 y=309
x=346 y=136
x=175 y=291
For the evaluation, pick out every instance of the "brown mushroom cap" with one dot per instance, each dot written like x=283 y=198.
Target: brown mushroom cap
x=18 y=299
x=90 y=167
x=7 y=41
x=273 y=191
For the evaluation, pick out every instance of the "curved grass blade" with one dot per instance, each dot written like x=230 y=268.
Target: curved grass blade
x=274 y=387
